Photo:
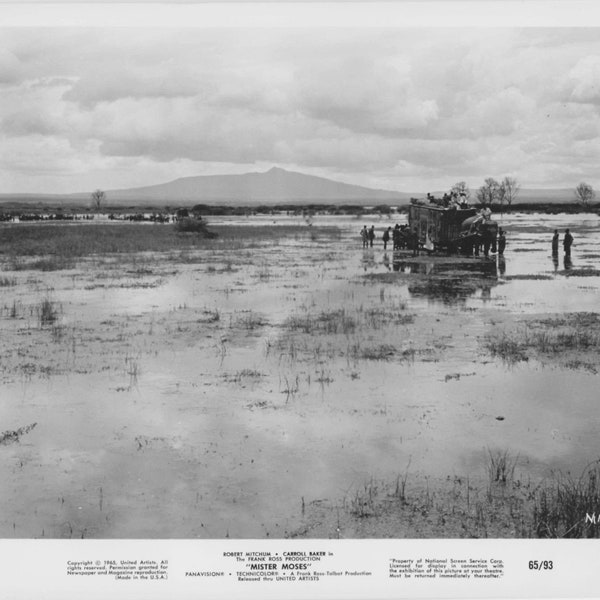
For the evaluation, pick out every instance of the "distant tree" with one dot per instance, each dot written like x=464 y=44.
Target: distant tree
x=461 y=188
x=501 y=195
x=384 y=209
x=98 y=198
x=584 y=193
x=509 y=190
x=489 y=192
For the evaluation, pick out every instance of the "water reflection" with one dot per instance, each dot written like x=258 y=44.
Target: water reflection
x=368 y=259
x=501 y=266
x=555 y=262
x=568 y=263
x=454 y=282
x=386 y=261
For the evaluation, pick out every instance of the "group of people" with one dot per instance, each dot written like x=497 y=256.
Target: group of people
x=489 y=241
x=567 y=243
x=367 y=236
x=452 y=199
x=402 y=237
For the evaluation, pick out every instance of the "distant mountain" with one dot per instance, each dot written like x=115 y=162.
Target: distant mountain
x=275 y=185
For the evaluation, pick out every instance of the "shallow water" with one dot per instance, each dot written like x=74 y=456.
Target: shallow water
x=181 y=404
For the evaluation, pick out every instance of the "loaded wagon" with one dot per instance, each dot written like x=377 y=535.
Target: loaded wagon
x=451 y=229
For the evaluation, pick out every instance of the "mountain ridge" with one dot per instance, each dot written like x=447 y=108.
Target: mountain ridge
x=274 y=186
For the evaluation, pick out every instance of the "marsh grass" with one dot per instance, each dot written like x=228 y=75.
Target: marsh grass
x=578 y=319
x=14 y=310
x=332 y=322
x=586 y=272
x=341 y=321
x=264 y=273
x=292 y=386
x=58 y=333
x=210 y=316
x=197 y=226
x=501 y=466
x=243 y=374
x=58 y=244
x=462 y=507
x=377 y=318
x=379 y=352
x=363 y=503
x=49 y=263
x=581 y=365
x=507 y=347
x=528 y=277
x=13 y=436
x=562 y=505
x=400 y=491
x=47 y=312
x=132 y=368
x=226 y=268
x=8 y=281
x=248 y=320
x=548 y=342
x=578 y=332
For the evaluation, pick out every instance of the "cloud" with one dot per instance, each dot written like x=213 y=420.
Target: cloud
x=28 y=122
x=376 y=105
x=584 y=80
x=364 y=96
x=9 y=67
x=109 y=84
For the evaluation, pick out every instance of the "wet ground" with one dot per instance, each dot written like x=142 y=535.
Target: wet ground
x=222 y=396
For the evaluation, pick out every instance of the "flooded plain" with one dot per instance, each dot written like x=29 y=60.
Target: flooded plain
x=259 y=389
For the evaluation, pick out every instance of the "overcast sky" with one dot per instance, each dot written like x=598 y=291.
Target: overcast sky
x=404 y=109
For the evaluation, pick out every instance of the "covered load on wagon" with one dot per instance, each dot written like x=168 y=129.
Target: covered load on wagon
x=453 y=229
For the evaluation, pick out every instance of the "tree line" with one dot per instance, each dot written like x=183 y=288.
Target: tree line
x=506 y=191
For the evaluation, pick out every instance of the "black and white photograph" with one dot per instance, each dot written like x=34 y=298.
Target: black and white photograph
x=299 y=282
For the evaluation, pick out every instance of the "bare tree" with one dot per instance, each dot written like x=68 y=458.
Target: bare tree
x=489 y=192
x=461 y=188
x=98 y=198
x=501 y=195
x=584 y=193
x=510 y=190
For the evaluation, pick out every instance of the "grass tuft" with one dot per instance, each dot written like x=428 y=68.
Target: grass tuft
x=501 y=466
x=8 y=281
x=566 y=508
x=47 y=312
x=363 y=503
x=13 y=436
x=507 y=348
x=191 y=225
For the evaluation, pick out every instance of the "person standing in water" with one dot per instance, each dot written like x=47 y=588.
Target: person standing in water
x=501 y=241
x=567 y=243
x=555 y=240
x=371 y=235
x=396 y=237
x=364 y=236
x=386 y=237
x=414 y=239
